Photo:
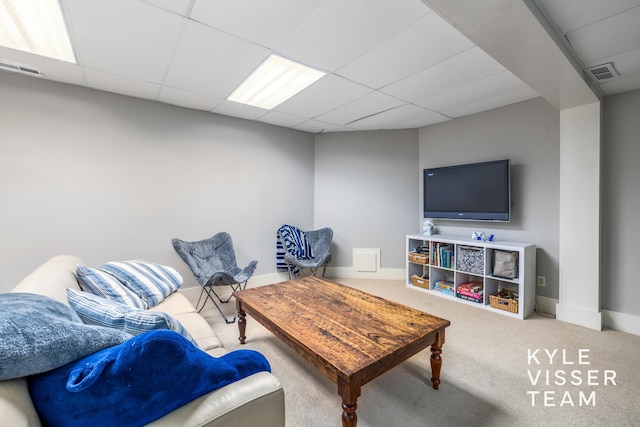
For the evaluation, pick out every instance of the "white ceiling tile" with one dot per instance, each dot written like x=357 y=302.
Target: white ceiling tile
x=572 y=14
x=626 y=64
x=425 y=121
x=324 y=95
x=620 y=33
x=243 y=111
x=246 y=19
x=394 y=118
x=178 y=6
x=212 y=62
x=470 y=65
x=473 y=92
x=194 y=100
x=338 y=31
x=109 y=82
x=372 y=103
x=422 y=44
x=620 y=85
x=500 y=100
x=150 y=49
x=60 y=71
x=281 y=119
x=316 y=126
x=108 y=35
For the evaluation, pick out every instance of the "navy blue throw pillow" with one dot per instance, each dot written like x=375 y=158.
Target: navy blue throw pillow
x=136 y=382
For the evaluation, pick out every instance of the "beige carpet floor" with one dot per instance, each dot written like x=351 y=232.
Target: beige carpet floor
x=497 y=371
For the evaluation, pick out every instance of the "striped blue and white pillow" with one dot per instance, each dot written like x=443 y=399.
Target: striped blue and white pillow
x=103 y=284
x=140 y=321
x=96 y=310
x=151 y=282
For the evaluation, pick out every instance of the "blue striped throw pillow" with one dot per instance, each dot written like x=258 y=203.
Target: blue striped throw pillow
x=96 y=310
x=141 y=321
x=151 y=282
x=103 y=284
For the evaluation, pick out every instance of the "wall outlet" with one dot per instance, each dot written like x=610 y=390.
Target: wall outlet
x=542 y=281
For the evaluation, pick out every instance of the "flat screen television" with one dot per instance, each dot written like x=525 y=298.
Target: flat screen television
x=474 y=191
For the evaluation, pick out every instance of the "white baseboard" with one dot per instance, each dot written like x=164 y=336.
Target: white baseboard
x=352 y=273
x=621 y=322
x=579 y=316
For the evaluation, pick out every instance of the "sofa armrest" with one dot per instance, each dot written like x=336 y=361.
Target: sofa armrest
x=15 y=404
x=252 y=401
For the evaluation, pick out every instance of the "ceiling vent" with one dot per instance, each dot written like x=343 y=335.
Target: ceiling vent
x=603 y=73
x=17 y=68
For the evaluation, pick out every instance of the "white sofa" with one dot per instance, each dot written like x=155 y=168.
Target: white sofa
x=257 y=400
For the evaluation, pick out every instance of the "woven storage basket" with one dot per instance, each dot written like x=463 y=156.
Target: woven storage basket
x=418 y=258
x=506 y=304
x=420 y=281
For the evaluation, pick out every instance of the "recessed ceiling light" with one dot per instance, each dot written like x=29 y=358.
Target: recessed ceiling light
x=36 y=27
x=274 y=81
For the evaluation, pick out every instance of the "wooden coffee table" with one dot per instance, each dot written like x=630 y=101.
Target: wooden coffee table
x=352 y=337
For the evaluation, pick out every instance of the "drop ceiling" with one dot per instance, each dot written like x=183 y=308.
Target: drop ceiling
x=390 y=64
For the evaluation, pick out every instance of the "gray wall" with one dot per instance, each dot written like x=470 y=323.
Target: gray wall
x=107 y=177
x=527 y=133
x=366 y=190
x=620 y=203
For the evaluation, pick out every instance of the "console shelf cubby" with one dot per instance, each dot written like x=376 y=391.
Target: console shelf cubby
x=447 y=262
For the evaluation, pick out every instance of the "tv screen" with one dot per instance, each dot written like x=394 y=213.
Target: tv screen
x=476 y=191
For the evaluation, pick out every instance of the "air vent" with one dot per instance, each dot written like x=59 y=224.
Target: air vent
x=17 y=68
x=603 y=73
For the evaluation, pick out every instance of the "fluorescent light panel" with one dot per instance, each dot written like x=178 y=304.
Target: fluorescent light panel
x=35 y=27
x=274 y=81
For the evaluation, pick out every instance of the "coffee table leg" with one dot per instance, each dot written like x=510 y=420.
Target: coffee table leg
x=242 y=322
x=349 y=393
x=436 y=362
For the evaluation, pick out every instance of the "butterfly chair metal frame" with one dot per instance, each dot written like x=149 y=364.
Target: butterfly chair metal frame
x=320 y=241
x=213 y=264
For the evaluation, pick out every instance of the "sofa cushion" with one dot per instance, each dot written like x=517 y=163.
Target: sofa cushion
x=149 y=281
x=95 y=310
x=103 y=284
x=200 y=330
x=121 y=385
x=38 y=333
x=176 y=304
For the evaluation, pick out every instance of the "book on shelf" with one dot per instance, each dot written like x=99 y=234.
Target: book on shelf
x=442 y=254
x=444 y=284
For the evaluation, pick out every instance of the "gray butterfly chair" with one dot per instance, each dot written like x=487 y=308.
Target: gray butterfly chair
x=213 y=263
x=320 y=241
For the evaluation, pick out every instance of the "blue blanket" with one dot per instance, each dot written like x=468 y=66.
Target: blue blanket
x=38 y=333
x=293 y=240
x=136 y=382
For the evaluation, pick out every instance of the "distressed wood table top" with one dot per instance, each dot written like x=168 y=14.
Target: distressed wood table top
x=351 y=336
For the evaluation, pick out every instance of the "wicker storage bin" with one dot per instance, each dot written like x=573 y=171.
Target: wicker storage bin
x=503 y=301
x=420 y=281
x=418 y=258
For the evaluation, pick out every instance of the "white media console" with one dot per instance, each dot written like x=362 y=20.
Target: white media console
x=454 y=261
